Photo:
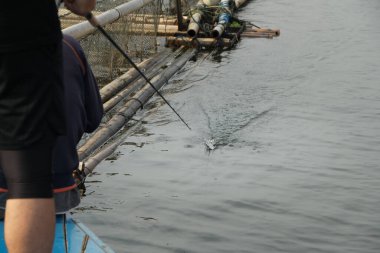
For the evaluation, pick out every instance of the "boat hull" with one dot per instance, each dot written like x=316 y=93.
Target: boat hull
x=71 y=236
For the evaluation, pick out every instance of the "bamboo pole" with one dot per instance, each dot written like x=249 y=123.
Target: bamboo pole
x=145 y=18
x=67 y=22
x=257 y=35
x=131 y=106
x=223 y=18
x=85 y=28
x=147 y=29
x=191 y=42
x=150 y=27
x=275 y=32
x=239 y=3
x=106 y=151
x=193 y=28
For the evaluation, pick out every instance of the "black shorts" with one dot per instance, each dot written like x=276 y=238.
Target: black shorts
x=28 y=172
x=31 y=96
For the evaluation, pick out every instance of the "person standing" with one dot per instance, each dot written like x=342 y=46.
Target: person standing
x=31 y=116
x=84 y=112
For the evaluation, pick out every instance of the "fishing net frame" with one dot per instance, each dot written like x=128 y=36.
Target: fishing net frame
x=135 y=32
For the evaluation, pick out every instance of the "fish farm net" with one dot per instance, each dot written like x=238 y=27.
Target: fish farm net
x=136 y=33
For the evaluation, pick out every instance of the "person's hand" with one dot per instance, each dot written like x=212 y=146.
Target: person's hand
x=80 y=7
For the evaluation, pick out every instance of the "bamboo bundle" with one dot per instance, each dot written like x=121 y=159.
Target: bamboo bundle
x=111 y=89
x=93 y=161
x=137 y=84
x=106 y=151
x=252 y=33
x=130 y=107
x=159 y=33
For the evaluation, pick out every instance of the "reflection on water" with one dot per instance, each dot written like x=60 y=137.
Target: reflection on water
x=297 y=168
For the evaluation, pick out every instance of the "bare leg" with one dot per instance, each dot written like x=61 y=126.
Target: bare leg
x=29 y=225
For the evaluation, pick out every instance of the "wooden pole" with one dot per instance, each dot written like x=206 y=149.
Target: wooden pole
x=179 y=15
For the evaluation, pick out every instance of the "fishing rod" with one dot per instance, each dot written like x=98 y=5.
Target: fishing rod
x=94 y=22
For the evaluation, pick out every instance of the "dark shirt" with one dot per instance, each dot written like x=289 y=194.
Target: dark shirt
x=84 y=111
x=28 y=23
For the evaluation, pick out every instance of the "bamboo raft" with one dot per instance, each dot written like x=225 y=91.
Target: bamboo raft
x=188 y=30
x=129 y=92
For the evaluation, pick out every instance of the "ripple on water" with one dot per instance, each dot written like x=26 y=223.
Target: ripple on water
x=297 y=124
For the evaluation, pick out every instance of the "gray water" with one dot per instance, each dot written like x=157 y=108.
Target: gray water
x=297 y=122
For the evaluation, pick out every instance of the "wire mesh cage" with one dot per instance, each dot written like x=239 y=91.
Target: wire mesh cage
x=136 y=33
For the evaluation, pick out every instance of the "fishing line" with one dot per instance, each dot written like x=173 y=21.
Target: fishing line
x=252 y=24
x=91 y=18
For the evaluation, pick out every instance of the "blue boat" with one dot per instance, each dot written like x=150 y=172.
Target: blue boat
x=71 y=236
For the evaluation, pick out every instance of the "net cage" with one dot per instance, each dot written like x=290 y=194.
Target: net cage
x=135 y=32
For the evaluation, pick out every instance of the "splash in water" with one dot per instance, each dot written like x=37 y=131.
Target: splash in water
x=210 y=144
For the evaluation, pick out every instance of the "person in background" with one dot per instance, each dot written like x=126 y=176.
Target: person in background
x=84 y=110
x=31 y=117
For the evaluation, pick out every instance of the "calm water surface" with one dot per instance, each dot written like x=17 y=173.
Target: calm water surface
x=297 y=125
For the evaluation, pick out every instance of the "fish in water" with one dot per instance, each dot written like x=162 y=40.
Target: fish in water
x=210 y=144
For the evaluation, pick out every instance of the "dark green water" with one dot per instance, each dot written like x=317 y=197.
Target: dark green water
x=297 y=120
